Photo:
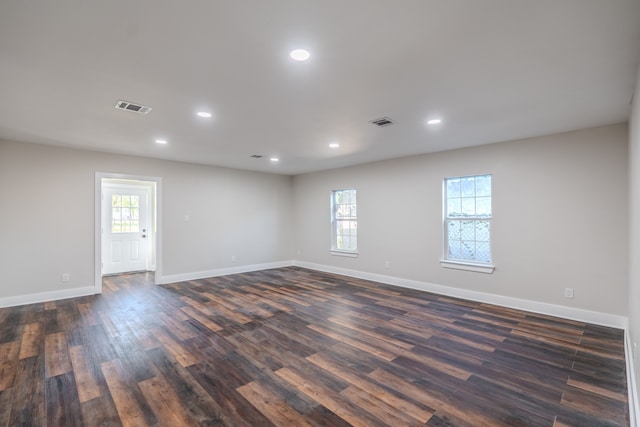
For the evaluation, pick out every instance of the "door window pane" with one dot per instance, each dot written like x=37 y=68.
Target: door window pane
x=125 y=213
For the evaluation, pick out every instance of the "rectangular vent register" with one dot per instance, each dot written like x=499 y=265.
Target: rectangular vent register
x=130 y=106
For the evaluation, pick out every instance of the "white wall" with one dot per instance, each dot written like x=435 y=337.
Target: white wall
x=47 y=216
x=559 y=209
x=634 y=229
x=560 y=217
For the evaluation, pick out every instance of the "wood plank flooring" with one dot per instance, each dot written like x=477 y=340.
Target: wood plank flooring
x=295 y=347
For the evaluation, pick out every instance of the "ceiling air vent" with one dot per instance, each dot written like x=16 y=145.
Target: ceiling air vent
x=257 y=156
x=382 y=121
x=130 y=106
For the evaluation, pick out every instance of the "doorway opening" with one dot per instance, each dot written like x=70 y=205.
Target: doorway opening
x=128 y=225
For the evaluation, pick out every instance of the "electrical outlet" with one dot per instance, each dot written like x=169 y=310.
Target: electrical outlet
x=66 y=277
x=568 y=293
x=187 y=218
x=233 y=258
x=387 y=264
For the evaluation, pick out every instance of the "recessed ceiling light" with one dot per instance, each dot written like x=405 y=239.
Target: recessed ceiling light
x=334 y=145
x=274 y=159
x=434 y=121
x=300 y=55
x=161 y=141
x=204 y=114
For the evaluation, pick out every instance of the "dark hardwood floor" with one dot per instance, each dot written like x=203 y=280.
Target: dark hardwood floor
x=295 y=347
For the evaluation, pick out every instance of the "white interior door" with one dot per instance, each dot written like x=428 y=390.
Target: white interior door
x=126 y=235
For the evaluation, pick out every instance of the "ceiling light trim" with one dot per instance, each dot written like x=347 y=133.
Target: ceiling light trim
x=300 y=55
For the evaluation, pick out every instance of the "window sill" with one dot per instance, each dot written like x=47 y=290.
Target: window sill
x=468 y=266
x=344 y=253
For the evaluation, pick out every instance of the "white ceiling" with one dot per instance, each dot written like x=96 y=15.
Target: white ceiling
x=493 y=70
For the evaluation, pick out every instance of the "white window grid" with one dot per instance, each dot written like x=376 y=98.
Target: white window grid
x=344 y=220
x=467 y=219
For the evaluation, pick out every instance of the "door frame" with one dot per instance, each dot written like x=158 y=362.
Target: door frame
x=154 y=207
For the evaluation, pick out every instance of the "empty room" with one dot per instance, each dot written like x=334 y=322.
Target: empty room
x=319 y=213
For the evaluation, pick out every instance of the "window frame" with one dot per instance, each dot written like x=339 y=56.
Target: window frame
x=462 y=264
x=335 y=250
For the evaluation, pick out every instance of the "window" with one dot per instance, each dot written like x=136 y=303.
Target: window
x=467 y=223
x=125 y=213
x=344 y=221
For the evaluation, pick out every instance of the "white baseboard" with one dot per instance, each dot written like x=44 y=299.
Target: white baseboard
x=47 y=296
x=594 y=317
x=634 y=407
x=577 y=314
x=173 y=278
